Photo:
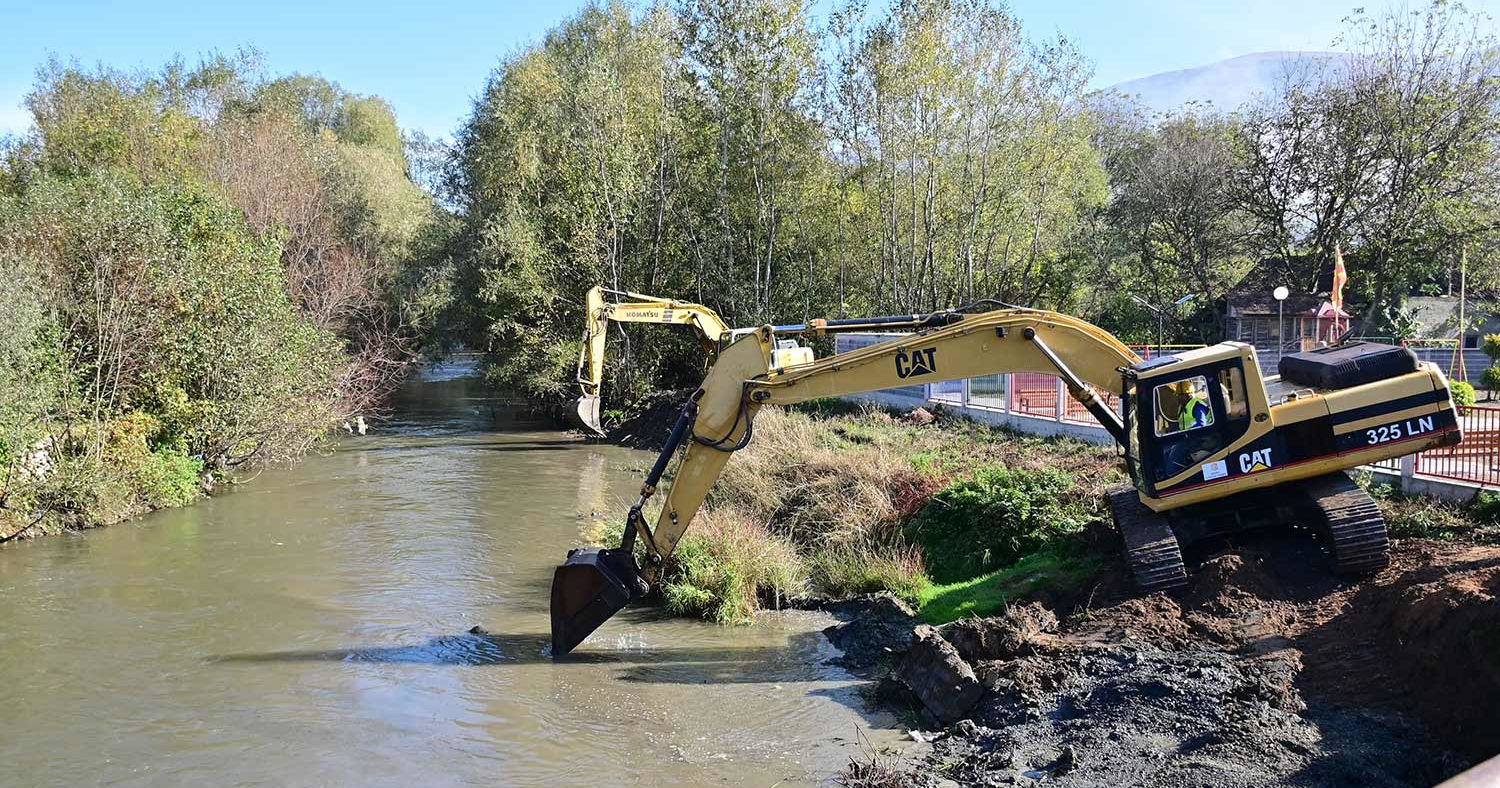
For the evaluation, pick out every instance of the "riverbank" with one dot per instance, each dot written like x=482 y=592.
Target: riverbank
x=171 y=317
x=1009 y=638
x=957 y=519
x=953 y=517
x=1264 y=673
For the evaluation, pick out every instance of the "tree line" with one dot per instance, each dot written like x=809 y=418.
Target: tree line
x=206 y=269
x=930 y=154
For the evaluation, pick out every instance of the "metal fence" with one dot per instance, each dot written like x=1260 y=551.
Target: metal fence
x=1032 y=394
x=1475 y=460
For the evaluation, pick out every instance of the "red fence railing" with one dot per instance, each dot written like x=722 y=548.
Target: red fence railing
x=1477 y=459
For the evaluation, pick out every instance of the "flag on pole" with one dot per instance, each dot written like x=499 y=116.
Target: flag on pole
x=1340 y=277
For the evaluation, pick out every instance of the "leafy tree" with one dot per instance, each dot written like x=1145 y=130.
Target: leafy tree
x=966 y=154
x=1387 y=152
x=204 y=270
x=1172 y=209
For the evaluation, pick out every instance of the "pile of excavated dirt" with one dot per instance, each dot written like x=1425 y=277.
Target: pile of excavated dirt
x=651 y=421
x=1267 y=671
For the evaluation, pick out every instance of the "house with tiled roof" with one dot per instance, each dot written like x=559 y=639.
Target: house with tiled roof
x=1304 y=318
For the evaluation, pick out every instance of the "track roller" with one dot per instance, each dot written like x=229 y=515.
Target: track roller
x=1354 y=527
x=1150 y=546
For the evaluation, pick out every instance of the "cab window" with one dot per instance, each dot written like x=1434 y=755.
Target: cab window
x=1232 y=386
x=1183 y=405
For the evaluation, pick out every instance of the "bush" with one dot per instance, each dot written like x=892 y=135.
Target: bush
x=1491 y=380
x=726 y=565
x=1486 y=509
x=1463 y=393
x=156 y=475
x=1421 y=517
x=988 y=522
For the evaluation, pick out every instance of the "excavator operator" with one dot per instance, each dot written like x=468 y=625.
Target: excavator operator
x=1193 y=411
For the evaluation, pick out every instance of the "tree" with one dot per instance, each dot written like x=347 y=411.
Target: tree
x=568 y=177
x=964 y=151
x=754 y=64
x=1172 y=208
x=1389 y=152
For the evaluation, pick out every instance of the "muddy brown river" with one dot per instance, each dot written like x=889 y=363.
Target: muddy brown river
x=311 y=628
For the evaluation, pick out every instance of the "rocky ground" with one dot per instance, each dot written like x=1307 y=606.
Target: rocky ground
x=1266 y=672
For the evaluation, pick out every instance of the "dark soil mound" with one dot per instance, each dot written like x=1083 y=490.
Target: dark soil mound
x=1266 y=671
x=1423 y=639
x=875 y=630
x=650 y=420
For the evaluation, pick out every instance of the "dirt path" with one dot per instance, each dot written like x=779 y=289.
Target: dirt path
x=1267 y=671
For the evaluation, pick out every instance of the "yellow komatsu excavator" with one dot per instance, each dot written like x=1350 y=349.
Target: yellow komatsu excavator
x=1211 y=445
x=713 y=332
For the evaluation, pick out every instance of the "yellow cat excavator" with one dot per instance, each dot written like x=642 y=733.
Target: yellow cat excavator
x=712 y=331
x=1211 y=446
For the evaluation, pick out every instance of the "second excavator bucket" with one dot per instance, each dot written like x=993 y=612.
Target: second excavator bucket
x=593 y=584
x=586 y=413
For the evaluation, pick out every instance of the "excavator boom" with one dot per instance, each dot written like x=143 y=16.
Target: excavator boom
x=633 y=308
x=718 y=420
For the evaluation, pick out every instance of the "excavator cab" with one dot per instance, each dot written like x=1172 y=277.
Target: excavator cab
x=1186 y=409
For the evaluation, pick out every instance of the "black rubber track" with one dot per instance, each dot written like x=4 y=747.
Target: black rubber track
x=1355 y=527
x=1150 y=546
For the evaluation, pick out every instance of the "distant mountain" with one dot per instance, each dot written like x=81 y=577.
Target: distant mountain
x=1226 y=84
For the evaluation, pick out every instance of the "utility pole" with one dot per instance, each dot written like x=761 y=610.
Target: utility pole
x=1280 y=294
x=1457 y=369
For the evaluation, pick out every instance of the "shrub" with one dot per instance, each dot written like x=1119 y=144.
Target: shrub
x=981 y=524
x=1486 y=508
x=726 y=565
x=1463 y=393
x=157 y=475
x=1491 y=380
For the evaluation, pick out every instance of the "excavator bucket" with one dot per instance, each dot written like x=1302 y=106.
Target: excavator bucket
x=593 y=584
x=586 y=414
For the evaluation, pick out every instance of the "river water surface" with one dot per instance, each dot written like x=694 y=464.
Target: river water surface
x=310 y=628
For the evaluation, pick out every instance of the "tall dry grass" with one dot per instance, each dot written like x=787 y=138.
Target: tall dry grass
x=820 y=503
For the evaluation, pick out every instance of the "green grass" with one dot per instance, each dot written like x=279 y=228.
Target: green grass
x=1422 y=517
x=847 y=569
x=989 y=593
x=999 y=516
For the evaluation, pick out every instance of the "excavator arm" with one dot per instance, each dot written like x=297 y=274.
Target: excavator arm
x=638 y=308
x=634 y=308
x=594 y=583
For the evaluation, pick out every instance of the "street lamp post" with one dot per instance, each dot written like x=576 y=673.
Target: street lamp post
x=1280 y=293
x=1161 y=314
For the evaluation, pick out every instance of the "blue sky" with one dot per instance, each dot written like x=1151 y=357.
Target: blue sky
x=430 y=58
